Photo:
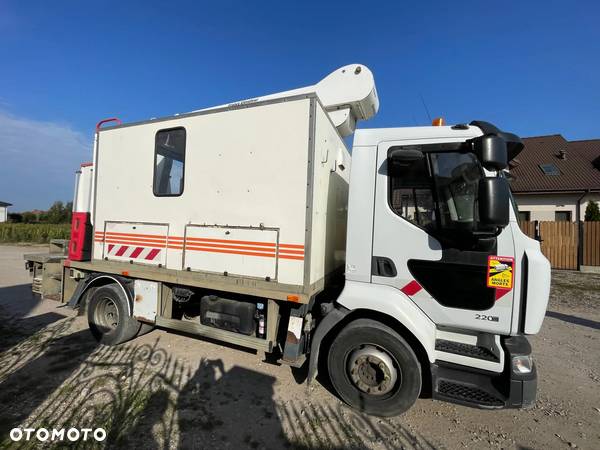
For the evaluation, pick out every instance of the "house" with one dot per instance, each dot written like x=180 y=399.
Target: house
x=553 y=179
x=4 y=211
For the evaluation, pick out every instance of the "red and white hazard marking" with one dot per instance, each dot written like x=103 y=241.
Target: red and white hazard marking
x=133 y=252
x=411 y=288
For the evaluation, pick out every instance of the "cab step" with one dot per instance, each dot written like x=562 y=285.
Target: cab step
x=464 y=393
x=469 y=386
x=459 y=348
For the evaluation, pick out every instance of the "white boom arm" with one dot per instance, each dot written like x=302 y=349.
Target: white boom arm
x=348 y=94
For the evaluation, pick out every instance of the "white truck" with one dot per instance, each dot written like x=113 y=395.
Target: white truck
x=397 y=269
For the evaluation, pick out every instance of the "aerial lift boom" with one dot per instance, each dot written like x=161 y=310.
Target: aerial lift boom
x=348 y=94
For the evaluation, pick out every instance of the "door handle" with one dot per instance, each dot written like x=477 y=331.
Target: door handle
x=383 y=267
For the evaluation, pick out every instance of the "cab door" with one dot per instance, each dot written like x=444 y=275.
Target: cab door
x=426 y=240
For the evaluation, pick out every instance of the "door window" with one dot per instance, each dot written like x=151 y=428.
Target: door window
x=169 y=160
x=456 y=180
x=450 y=179
x=411 y=195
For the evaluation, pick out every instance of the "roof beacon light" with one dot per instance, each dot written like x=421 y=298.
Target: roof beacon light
x=438 y=122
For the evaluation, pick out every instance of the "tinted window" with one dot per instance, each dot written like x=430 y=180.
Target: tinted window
x=169 y=162
x=437 y=192
x=410 y=192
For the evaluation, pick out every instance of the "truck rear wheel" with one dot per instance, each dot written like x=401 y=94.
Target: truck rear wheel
x=108 y=316
x=373 y=369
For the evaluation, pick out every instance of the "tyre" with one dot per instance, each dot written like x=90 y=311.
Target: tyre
x=108 y=316
x=373 y=369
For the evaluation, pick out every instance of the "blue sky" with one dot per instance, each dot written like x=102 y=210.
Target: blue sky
x=529 y=67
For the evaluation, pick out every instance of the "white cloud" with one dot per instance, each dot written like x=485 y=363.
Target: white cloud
x=38 y=160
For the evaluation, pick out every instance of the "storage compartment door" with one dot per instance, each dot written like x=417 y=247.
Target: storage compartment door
x=249 y=252
x=138 y=242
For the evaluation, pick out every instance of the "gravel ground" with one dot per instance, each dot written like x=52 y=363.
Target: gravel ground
x=165 y=390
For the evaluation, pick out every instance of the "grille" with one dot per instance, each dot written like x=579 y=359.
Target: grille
x=468 y=394
x=458 y=348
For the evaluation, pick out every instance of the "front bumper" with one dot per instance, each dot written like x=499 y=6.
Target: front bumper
x=470 y=386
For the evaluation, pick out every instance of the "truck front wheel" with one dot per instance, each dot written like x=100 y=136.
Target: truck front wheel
x=108 y=316
x=373 y=369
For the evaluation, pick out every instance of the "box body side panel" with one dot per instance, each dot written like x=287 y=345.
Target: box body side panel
x=244 y=168
x=330 y=199
x=250 y=252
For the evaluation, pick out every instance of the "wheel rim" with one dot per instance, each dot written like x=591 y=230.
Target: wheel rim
x=107 y=314
x=373 y=370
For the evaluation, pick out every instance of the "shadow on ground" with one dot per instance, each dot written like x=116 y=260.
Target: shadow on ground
x=143 y=397
x=27 y=300
x=574 y=319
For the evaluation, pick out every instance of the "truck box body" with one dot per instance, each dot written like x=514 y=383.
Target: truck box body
x=263 y=194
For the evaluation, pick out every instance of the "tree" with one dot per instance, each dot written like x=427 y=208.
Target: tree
x=58 y=213
x=68 y=212
x=15 y=218
x=29 y=217
x=592 y=212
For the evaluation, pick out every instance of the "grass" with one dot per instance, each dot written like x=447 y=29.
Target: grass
x=37 y=233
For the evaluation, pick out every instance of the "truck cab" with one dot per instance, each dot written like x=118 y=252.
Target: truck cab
x=434 y=244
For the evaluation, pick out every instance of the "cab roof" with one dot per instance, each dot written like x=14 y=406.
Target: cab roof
x=374 y=136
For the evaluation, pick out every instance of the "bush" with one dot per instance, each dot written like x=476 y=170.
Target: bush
x=33 y=232
x=28 y=217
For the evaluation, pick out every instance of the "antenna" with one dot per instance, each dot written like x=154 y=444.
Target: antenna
x=425 y=106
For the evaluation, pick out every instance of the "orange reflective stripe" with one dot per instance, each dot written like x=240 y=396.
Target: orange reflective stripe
x=232 y=246
x=135 y=242
x=291 y=252
x=234 y=252
x=300 y=258
x=235 y=247
x=229 y=241
x=291 y=246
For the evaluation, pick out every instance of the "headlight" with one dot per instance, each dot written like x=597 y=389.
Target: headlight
x=522 y=364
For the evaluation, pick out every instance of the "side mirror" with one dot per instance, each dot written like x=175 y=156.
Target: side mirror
x=494 y=202
x=491 y=151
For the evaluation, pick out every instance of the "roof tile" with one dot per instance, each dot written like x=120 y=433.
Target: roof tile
x=577 y=171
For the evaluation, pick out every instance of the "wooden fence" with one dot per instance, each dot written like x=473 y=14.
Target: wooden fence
x=528 y=228
x=560 y=242
x=591 y=243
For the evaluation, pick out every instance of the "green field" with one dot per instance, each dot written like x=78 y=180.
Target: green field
x=37 y=233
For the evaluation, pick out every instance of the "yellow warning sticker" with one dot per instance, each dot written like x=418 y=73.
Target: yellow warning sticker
x=500 y=272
